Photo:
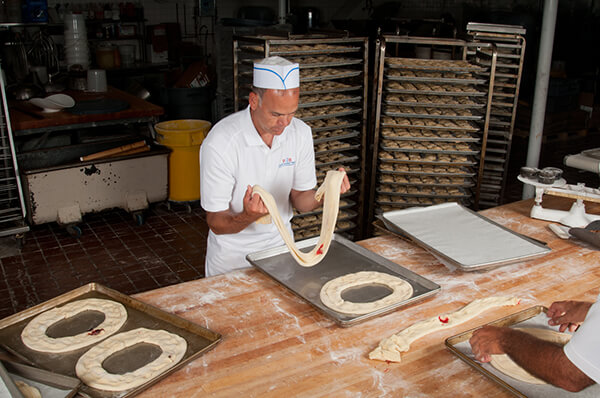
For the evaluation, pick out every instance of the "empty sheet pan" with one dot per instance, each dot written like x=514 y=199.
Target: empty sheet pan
x=344 y=257
x=461 y=238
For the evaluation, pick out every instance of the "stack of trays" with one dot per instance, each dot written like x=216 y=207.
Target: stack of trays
x=429 y=132
x=333 y=86
x=510 y=44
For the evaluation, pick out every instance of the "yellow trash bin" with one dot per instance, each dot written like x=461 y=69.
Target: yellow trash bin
x=184 y=137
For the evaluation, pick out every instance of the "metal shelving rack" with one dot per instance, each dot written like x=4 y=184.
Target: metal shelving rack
x=12 y=205
x=510 y=43
x=430 y=123
x=333 y=102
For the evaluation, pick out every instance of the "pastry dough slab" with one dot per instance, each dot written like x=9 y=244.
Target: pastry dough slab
x=331 y=190
x=389 y=349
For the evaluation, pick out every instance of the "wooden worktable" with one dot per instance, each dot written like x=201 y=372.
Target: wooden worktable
x=276 y=345
x=22 y=113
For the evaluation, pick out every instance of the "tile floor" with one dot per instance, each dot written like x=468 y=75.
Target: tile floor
x=113 y=250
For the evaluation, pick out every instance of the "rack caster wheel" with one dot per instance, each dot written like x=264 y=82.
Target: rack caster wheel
x=20 y=240
x=139 y=218
x=74 y=231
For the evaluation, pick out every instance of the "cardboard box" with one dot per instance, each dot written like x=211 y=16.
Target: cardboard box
x=158 y=44
x=194 y=76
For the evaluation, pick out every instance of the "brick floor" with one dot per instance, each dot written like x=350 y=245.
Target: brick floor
x=113 y=250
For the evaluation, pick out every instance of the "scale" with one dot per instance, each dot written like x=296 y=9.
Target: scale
x=544 y=183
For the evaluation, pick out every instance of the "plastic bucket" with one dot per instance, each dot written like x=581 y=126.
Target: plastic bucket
x=184 y=138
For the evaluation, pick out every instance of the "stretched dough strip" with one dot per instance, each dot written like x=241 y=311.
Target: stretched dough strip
x=389 y=349
x=331 y=189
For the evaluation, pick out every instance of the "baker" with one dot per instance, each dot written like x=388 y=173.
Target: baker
x=572 y=367
x=264 y=145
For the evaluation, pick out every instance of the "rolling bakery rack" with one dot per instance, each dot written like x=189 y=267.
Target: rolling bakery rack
x=431 y=120
x=333 y=102
x=510 y=43
x=12 y=203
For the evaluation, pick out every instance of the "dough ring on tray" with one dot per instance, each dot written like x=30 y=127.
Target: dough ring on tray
x=331 y=292
x=89 y=366
x=34 y=334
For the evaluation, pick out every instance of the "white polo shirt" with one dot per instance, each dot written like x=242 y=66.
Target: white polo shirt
x=233 y=156
x=584 y=348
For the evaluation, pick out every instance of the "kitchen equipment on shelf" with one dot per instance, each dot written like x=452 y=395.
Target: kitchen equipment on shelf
x=96 y=80
x=53 y=103
x=76 y=45
x=548 y=181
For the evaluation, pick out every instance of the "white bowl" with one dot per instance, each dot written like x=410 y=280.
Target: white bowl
x=53 y=103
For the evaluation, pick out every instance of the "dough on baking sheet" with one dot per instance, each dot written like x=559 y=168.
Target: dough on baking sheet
x=34 y=334
x=506 y=365
x=331 y=189
x=389 y=349
x=27 y=390
x=89 y=366
x=331 y=292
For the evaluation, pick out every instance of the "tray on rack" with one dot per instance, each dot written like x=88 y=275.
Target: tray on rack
x=344 y=160
x=326 y=63
x=464 y=174
x=394 y=113
x=533 y=317
x=336 y=74
x=426 y=151
x=430 y=161
x=432 y=65
x=317 y=138
x=436 y=92
x=338 y=149
x=327 y=49
x=426 y=193
x=139 y=314
x=346 y=112
x=468 y=183
x=434 y=104
x=343 y=215
x=441 y=80
x=346 y=100
x=421 y=125
x=468 y=138
x=344 y=257
x=328 y=86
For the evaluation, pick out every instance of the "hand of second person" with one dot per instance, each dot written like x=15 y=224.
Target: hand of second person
x=567 y=314
x=486 y=342
x=345 y=187
x=254 y=207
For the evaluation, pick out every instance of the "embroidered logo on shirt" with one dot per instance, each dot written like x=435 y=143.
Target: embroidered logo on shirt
x=287 y=162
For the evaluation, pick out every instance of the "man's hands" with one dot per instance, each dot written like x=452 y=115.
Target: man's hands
x=254 y=207
x=568 y=314
x=487 y=341
x=345 y=187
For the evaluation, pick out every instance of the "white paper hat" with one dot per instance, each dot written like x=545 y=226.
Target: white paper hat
x=276 y=73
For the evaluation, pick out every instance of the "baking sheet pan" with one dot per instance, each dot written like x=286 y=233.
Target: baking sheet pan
x=317 y=139
x=392 y=112
x=441 y=80
x=330 y=77
x=534 y=317
x=50 y=385
x=433 y=151
x=430 y=65
x=347 y=112
x=199 y=339
x=461 y=238
x=423 y=126
x=326 y=90
x=473 y=138
x=430 y=162
x=344 y=257
x=427 y=174
x=436 y=92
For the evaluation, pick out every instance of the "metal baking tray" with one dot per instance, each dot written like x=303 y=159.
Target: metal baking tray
x=329 y=50
x=391 y=112
x=339 y=149
x=50 y=385
x=423 y=173
x=348 y=159
x=346 y=214
x=330 y=102
x=471 y=138
x=433 y=104
x=301 y=234
x=461 y=238
x=433 y=92
x=339 y=62
x=471 y=129
x=347 y=124
x=139 y=314
x=345 y=136
x=434 y=151
x=434 y=65
x=466 y=184
x=430 y=162
x=344 y=257
x=428 y=193
x=533 y=317
x=343 y=75
x=320 y=210
x=330 y=115
x=325 y=90
x=442 y=80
